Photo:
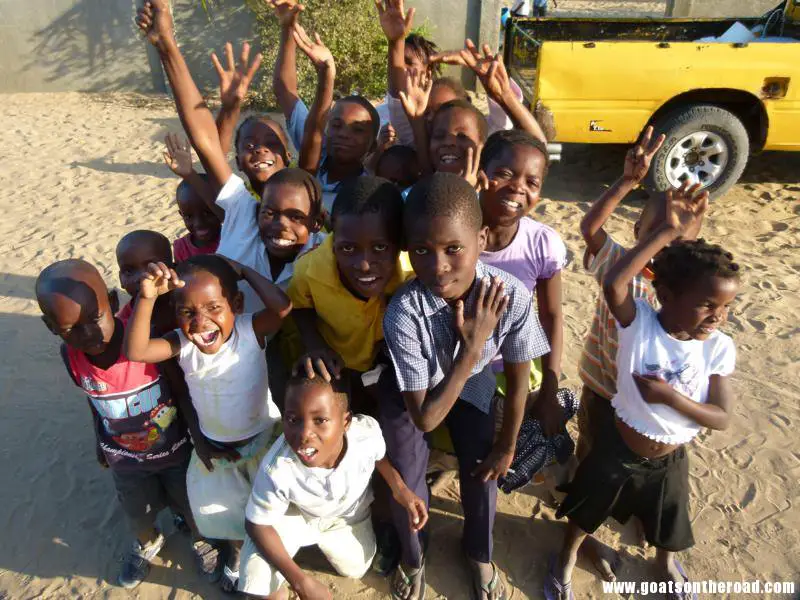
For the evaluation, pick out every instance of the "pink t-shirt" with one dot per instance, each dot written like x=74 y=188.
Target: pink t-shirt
x=183 y=248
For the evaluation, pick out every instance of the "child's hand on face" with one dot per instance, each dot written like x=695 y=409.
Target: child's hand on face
x=414 y=97
x=395 y=22
x=317 y=52
x=387 y=137
x=491 y=304
x=415 y=507
x=324 y=361
x=235 y=81
x=178 y=156
x=686 y=207
x=638 y=158
x=155 y=21
x=287 y=11
x=158 y=280
x=653 y=389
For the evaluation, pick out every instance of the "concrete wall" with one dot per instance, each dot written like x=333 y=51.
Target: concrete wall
x=719 y=8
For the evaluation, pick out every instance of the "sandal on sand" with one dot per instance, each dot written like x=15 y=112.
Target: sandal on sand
x=230 y=580
x=208 y=559
x=412 y=578
x=495 y=586
x=555 y=589
x=685 y=594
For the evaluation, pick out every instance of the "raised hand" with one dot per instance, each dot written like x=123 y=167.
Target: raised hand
x=158 y=280
x=490 y=306
x=638 y=158
x=472 y=171
x=155 y=22
x=234 y=80
x=287 y=11
x=178 y=155
x=395 y=21
x=489 y=68
x=414 y=97
x=317 y=52
x=686 y=207
x=387 y=137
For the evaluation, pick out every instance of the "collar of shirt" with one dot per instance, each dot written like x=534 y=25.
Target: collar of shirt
x=431 y=303
x=314 y=240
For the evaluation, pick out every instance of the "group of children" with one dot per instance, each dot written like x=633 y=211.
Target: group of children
x=318 y=322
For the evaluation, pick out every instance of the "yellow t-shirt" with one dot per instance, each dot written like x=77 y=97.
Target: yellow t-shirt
x=349 y=325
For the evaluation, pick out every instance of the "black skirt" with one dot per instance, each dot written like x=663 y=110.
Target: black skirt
x=613 y=481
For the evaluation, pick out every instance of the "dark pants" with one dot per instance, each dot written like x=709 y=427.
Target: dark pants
x=472 y=433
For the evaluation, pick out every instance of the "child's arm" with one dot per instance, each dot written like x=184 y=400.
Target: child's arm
x=322 y=59
x=551 y=317
x=276 y=303
x=414 y=98
x=387 y=137
x=269 y=544
x=284 y=77
x=155 y=21
x=233 y=85
x=714 y=414
x=415 y=507
x=178 y=157
x=138 y=345
x=637 y=163
x=396 y=25
x=685 y=207
x=428 y=408
x=319 y=357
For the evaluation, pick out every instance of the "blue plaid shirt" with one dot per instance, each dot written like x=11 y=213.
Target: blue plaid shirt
x=419 y=328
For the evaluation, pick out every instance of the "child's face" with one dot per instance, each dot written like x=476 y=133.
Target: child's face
x=350 y=134
x=413 y=60
x=284 y=221
x=261 y=150
x=701 y=309
x=79 y=312
x=453 y=132
x=440 y=94
x=515 y=180
x=314 y=423
x=203 y=313
x=444 y=252
x=402 y=173
x=203 y=226
x=133 y=258
x=365 y=255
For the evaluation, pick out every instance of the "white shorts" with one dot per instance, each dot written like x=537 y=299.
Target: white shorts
x=349 y=546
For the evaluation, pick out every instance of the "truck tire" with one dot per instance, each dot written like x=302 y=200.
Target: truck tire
x=704 y=143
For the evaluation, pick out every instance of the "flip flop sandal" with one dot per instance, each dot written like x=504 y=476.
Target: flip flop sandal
x=685 y=595
x=555 y=589
x=231 y=578
x=414 y=576
x=208 y=559
x=478 y=588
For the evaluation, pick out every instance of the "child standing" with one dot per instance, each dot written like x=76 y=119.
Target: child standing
x=313 y=488
x=140 y=435
x=221 y=352
x=672 y=381
x=442 y=330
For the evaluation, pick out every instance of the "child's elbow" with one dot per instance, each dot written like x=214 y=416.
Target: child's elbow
x=284 y=312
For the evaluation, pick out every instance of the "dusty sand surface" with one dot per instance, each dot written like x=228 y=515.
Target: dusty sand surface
x=79 y=171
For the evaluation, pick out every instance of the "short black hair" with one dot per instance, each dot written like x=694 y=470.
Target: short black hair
x=145 y=236
x=500 y=141
x=184 y=186
x=424 y=48
x=301 y=380
x=454 y=85
x=304 y=179
x=405 y=154
x=483 y=125
x=443 y=195
x=682 y=264
x=369 y=194
x=218 y=267
x=265 y=119
x=374 y=117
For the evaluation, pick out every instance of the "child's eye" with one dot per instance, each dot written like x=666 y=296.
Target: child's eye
x=380 y=247
x=249 y=146
x=268 y=213
x=420 y=251
x=297 y=218
x=533 y=183
x=454 y=249
x=347 y=248
x=320 y=420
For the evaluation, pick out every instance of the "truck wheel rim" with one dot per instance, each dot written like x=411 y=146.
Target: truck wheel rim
x=700 y=157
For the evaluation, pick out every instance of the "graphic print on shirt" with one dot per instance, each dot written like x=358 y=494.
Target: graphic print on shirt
x=680 y=374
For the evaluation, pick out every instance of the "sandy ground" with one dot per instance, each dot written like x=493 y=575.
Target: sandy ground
x=79 y=171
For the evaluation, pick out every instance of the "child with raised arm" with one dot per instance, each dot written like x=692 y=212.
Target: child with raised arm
x=442 y=330
x=141 y=435
x=313 y=488
x=672 y=381
x=221 y=352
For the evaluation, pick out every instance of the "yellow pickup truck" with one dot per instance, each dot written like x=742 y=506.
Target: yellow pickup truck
x=718 y=89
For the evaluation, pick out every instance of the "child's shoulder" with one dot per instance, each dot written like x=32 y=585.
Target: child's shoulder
x=513 y=285
x=366 y=438
x=536 y=229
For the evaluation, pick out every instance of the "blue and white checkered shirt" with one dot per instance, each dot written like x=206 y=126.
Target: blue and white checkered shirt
x=419 y=328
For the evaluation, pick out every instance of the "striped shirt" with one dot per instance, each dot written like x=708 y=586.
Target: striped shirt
x=598 y=367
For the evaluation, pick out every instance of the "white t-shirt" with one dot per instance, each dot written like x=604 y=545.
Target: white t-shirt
x=229 y=389
x=343 y=492
x=645 y=348
x=240 y=239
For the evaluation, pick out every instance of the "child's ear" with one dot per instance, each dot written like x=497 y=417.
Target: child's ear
x=483 y=236
x=49 y=324
x=238 y=303
x=348 y=420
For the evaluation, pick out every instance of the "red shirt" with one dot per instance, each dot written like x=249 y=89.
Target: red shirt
x=183 y=248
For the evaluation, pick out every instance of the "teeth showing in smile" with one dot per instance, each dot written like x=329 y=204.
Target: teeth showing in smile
x=372 y=279
x=307 y=452
x=205 y=338
x=512 y=204
x=280 y=242
x=265 y=165
x=448 y=159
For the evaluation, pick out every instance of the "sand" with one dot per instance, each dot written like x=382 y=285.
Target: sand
x=78 y=171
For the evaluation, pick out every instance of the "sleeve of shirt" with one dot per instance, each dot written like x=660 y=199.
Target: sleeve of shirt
x=402 y=339
x=267 y=502
x=373 y=438
x=299 y=290
x=551 y=253
x=296 y=123
x=399 y=120
x=644 y=312
x=525 y=339
x=723 y=359
x=600 y=264
x=180 y=251
x=235 y=199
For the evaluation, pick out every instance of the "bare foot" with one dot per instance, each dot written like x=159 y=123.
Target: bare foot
x=604 y=559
